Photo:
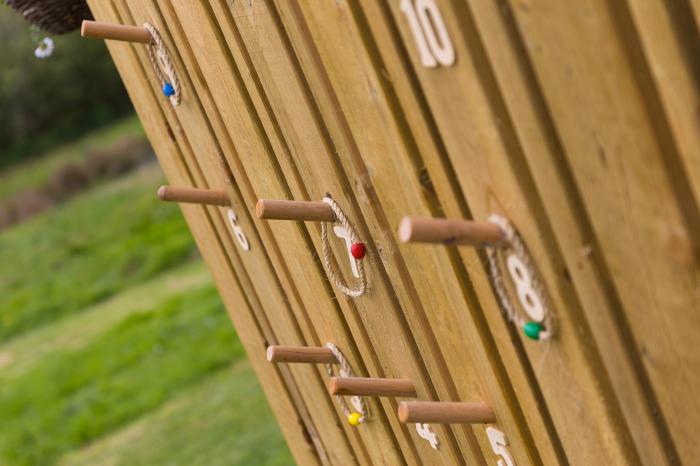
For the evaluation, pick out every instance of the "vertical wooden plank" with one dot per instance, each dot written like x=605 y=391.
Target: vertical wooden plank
x=662 y=45
x=618 y=154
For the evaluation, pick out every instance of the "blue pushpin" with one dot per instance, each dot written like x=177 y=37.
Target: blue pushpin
x=168 y=89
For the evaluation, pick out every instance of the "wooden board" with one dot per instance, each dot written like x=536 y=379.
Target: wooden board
x=578 y=123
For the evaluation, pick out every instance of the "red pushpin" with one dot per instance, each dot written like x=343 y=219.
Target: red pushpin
x=358 y=250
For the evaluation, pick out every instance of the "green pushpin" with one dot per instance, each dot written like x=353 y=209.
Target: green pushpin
x=532 y=330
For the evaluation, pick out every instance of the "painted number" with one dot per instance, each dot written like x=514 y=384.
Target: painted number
x=427 y=433
x=498 y=444
x=342 y=232
x=527 y=296
x=429 y=32
x=238 y=231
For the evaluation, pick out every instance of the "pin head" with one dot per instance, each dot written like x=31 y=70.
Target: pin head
x=354 y=419
x=532 y=330
x=358 y=250
x=168 y=90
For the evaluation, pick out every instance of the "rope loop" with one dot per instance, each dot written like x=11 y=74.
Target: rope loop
x=163 y=65
x=345 y=370
x=514 y=244
x=332 y=273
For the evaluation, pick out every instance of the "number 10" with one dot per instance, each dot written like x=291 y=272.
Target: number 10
x=434 y=44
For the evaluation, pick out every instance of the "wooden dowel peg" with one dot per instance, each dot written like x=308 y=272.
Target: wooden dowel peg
x=294 y=210
x=449 y=231
x=124 y=32
x=304 y=354
x=362 y=386
x=446 y=412
x=194 y=195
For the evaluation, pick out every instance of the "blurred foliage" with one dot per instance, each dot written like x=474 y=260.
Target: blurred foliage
x=73 y=397
x=36 y=172
x=89 y=249
x=46 y=101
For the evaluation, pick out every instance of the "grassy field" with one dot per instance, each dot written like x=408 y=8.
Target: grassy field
x=114 y=346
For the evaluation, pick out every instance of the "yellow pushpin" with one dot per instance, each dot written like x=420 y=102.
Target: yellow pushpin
x=354 y=419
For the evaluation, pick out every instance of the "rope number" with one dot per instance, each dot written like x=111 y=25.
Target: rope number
x=429 y=32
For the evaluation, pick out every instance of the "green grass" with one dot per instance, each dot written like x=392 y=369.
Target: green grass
x=74 y=397
x=87 y=250
x=36 y=171
x=74 y=332
x=221 y=421
x=114 y=345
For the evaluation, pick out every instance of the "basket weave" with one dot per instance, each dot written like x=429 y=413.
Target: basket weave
x=53 y=16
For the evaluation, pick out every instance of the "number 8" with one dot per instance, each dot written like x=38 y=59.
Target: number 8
x=528 y=297
x=432 y=51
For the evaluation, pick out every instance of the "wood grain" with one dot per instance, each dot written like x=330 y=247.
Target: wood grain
x=445 y=412
x=578 y=122
x=300 y=354
x=122 y=32
x=214 y=197
x=371 y=386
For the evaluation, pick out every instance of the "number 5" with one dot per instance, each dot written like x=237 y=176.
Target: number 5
x=498 y=443
x=434 y=44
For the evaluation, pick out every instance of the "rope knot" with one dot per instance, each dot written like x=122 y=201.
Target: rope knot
x=357 y=402
x=163 y=65
x=543 y=329
x=356 y=255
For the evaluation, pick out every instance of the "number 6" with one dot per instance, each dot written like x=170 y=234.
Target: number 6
x=432 y=50
x=238 y=231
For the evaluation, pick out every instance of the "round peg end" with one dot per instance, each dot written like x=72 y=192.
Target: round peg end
x=403 y=412
x=406 y=230
x=260 y=208
x=333 y=385
x=162 y=192
x=270 y=353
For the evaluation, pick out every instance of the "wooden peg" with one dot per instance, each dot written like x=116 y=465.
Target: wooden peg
x=311 y=355
x=445 y=412
x=125 y=32
x=362 y=386
x=449 y=231
x=294 y=210
x=193 y=195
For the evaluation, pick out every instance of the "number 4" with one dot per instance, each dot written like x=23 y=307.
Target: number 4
x=498 y=443
x=434 y=44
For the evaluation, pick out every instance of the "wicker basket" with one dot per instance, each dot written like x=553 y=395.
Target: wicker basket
x=53 y=16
